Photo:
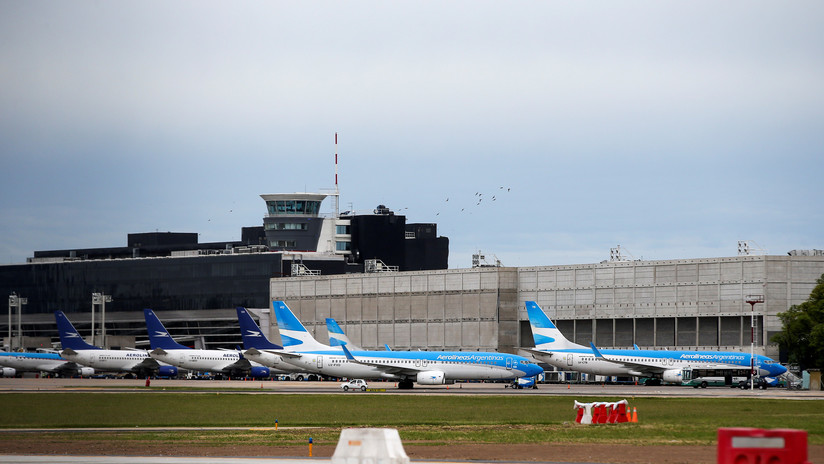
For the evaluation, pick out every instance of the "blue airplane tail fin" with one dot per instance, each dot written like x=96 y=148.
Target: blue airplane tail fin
x=252 y=335
x=337 y=337
x=69 y=338
x=293 y=334
x=544 y=332
x=158 y=335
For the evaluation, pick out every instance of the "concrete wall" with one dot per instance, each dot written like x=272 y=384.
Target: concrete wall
x=689 y=304
x=465 y=309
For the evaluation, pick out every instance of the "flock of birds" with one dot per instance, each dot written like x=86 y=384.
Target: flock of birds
x=479 y=198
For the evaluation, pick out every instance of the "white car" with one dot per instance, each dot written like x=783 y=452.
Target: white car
x=354 y=384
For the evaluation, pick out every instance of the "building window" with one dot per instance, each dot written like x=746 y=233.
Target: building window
x=283 y=244
x=342 y=229
x=286 y=226
x=343 y=246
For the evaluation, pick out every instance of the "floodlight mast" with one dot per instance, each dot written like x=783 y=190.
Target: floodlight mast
x=752 y=300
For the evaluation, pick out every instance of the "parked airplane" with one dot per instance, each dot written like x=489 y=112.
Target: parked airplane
x=407 y=367
x=554 y=349
x=40 y=362
x=338 y=338
x=137 y=362
x=258 y=348
x=222 y=362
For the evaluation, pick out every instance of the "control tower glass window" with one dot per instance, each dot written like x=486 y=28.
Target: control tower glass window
x=292 y=207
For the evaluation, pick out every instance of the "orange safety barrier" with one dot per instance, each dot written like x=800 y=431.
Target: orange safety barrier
x=742 y=445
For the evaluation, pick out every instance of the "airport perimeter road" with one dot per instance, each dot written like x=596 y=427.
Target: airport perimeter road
x=331 y=387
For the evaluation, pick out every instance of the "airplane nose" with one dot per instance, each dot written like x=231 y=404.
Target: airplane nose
x=533 y=369
x=778 y=369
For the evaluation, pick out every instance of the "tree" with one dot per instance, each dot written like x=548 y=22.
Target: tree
x=803 y=333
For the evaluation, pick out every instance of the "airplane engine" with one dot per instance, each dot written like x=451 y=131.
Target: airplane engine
x=260 y=372
x=9 y=372
x=431 y=378
x=86 y=371
x=167 y=371
x=672 y=376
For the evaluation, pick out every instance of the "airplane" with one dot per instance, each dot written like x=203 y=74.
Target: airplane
x=338 y=338
x=223 y=362
x=14 y=362
x=553 y=348
x=258 y=347
x=135 y=361
x=407 y=367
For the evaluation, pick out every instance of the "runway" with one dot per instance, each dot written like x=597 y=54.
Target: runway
x=258 y=387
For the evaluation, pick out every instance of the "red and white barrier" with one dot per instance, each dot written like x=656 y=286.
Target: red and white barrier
x=602 y=412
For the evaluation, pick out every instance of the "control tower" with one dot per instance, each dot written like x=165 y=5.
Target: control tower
x=294 y=223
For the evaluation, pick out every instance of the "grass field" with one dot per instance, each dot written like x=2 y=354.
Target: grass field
x=423 y=419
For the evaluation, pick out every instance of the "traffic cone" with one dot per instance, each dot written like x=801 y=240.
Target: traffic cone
x=634 y=414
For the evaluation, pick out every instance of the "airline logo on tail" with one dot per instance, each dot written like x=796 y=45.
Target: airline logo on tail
x=158 y=335
x=250 y=332
x=337 y=337
x=69 y=338
x=544 y=332
x=292 y=333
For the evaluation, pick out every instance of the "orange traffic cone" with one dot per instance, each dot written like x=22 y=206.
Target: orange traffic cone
x=634 y=415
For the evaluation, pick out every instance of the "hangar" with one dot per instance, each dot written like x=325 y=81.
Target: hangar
x=673 y=304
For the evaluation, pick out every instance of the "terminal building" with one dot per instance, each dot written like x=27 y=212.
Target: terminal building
x=194 y=287
x=387 y=282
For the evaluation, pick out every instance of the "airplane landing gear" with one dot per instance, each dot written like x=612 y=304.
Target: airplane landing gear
x=405 y=384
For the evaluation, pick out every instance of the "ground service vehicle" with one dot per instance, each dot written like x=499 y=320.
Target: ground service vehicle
x=354 y=384
x=719 y=376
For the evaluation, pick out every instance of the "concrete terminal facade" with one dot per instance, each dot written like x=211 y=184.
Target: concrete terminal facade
x=673 y=304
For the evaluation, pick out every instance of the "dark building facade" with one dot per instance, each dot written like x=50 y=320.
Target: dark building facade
x=172 y=272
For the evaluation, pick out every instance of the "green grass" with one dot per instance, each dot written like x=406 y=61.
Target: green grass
x=419 y=418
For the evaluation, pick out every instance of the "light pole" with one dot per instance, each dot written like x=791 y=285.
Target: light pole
x=100 y=299
x=752 y=300
x=17 y=302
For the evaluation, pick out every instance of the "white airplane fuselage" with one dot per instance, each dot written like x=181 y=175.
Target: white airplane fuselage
x=672 y=362
x=33 y=362
x=108 y=360
x=454 y=365
x=199 y=360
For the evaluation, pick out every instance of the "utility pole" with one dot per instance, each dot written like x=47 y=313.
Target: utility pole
x=100 y=299
x=752 y=300
x=17 y=302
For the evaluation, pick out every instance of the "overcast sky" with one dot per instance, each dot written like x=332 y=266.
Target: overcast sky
x=673 y=129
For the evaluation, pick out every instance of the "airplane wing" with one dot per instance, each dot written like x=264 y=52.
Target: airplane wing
x=387 y=369
x=545 y=356
x=148 y=363
x=286 y=355
x=649 y=369
x=241 y=365
x=67 y=369
x=639 y=369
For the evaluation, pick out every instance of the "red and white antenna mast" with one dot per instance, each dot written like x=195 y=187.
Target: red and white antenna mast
x=337 y=192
